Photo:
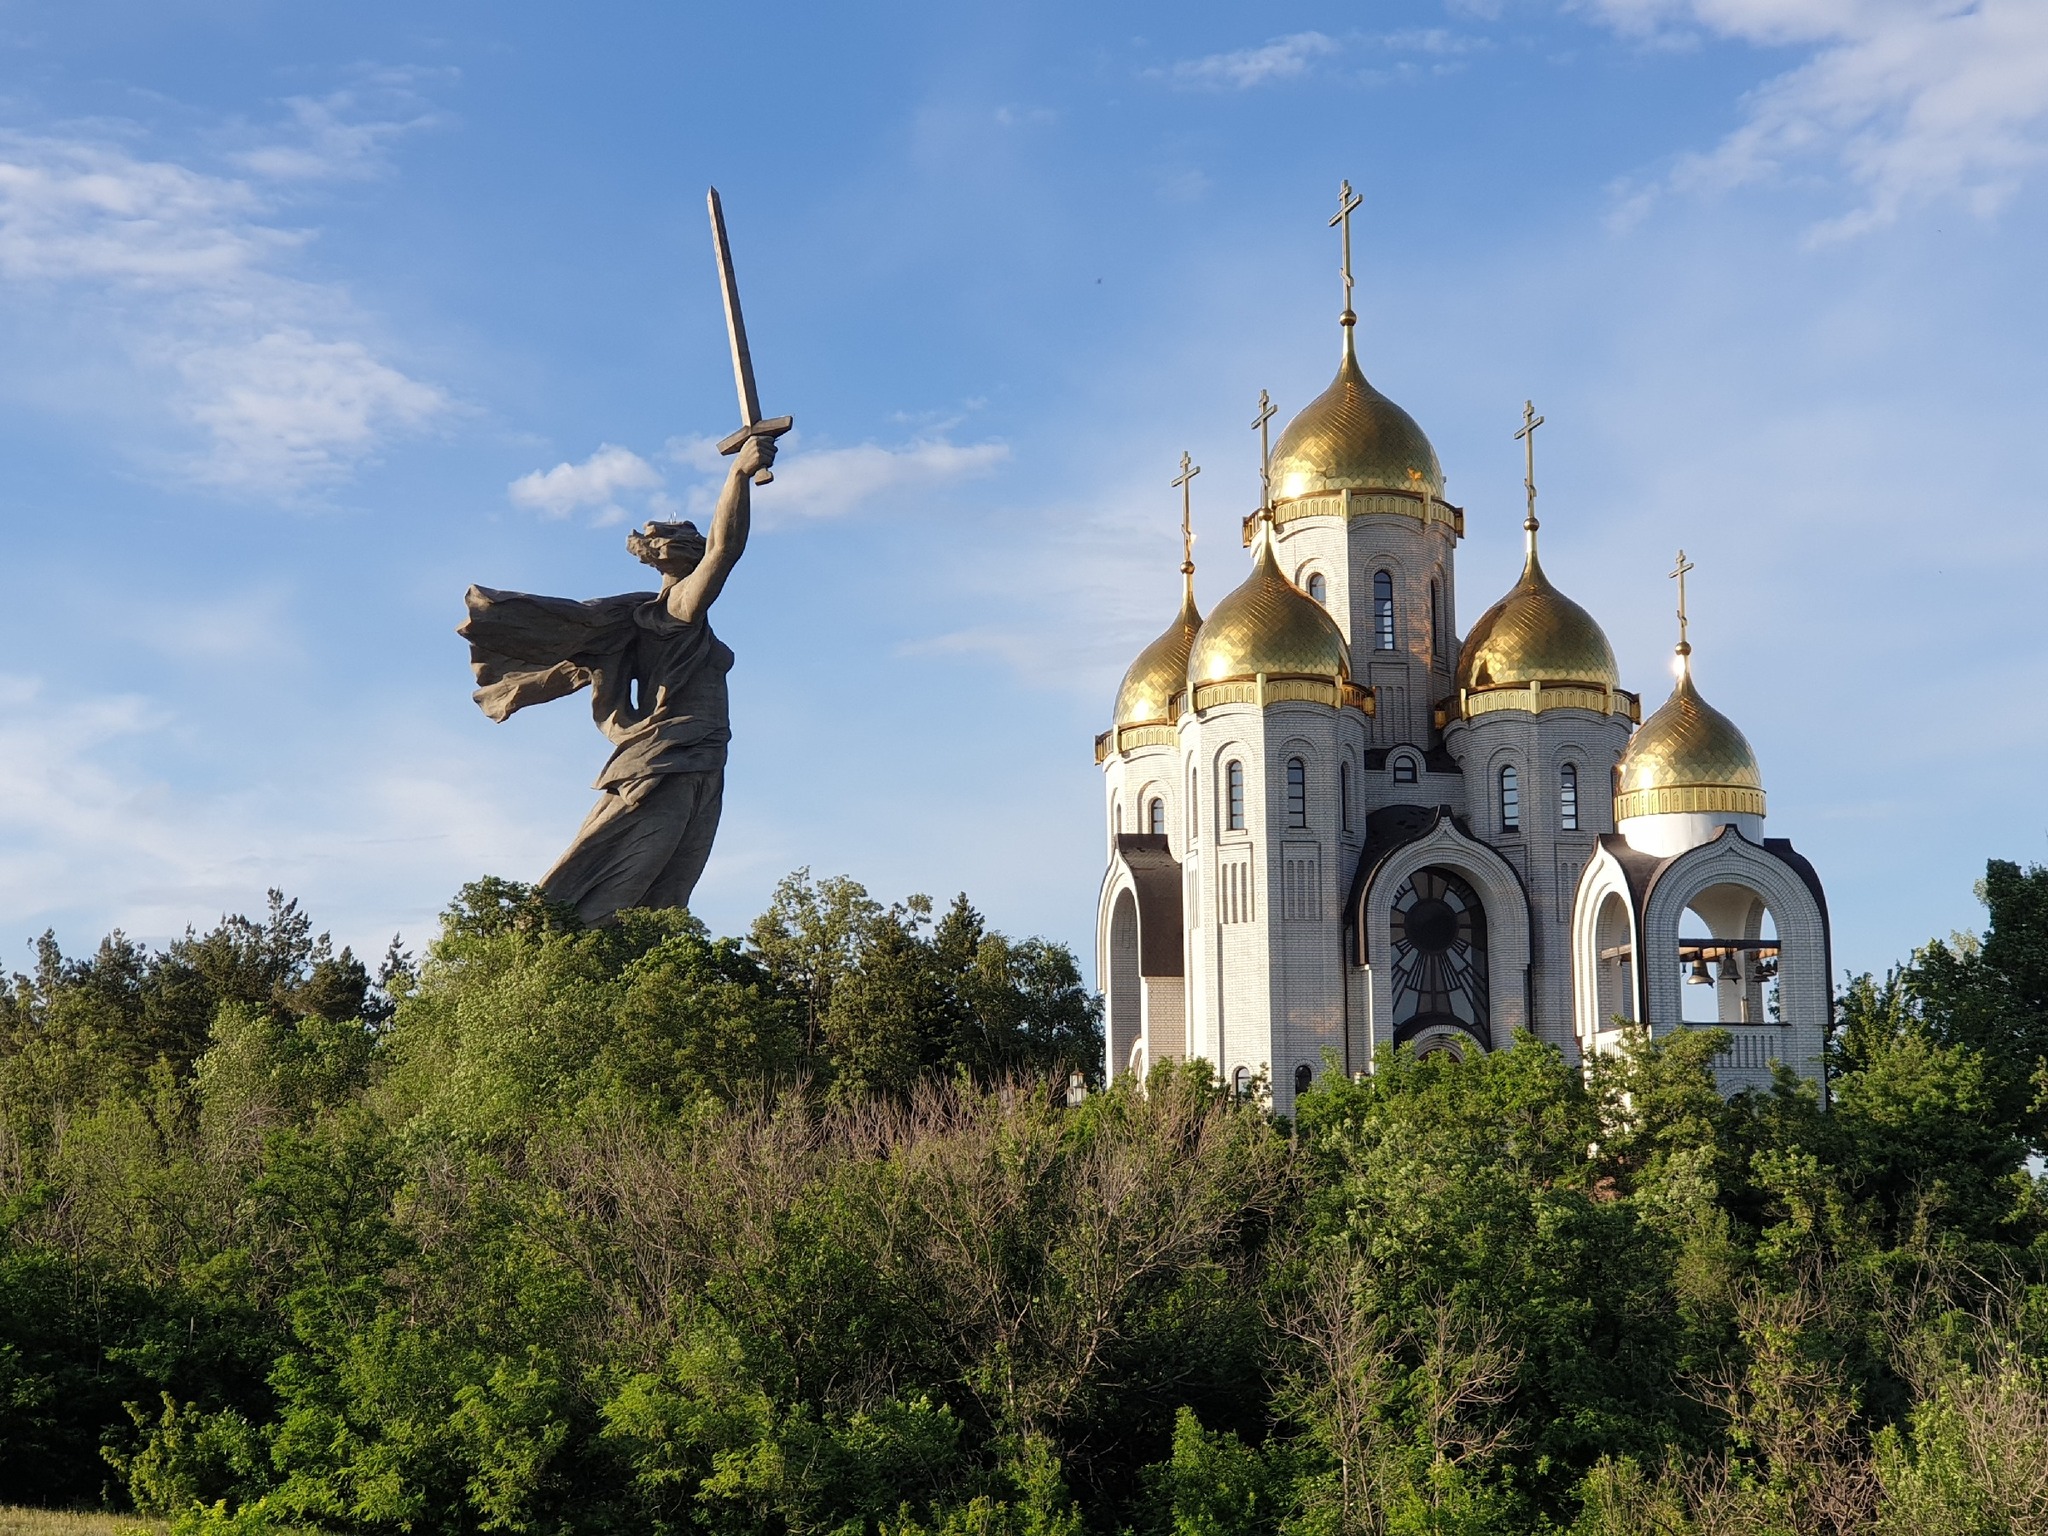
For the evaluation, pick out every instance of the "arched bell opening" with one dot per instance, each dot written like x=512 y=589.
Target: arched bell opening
x=1440 y=975
x=1124 y=989
x=1727 y=958
x=1615 y=941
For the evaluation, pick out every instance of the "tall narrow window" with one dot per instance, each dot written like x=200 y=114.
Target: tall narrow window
x=1436 y=630
x=1568 y=798
x=1510 y=800
x=1383 y=610
x=1194 y=801
x=1404 y=769
x=1157 y=813
x=1233 y=797
x=1116 y=817
x=1297 y=792
x=1318 y=588
x=1344 y=795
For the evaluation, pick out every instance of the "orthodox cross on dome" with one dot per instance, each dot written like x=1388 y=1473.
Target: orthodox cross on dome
x=1259 y=421
x=1527 y=436
x=1348 y=203
x=1678 y=575
x=1185 y=479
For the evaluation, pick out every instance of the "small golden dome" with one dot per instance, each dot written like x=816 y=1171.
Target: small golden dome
x=1270 y=626
x=1536 y=635
x=1161 y=670
x=1688 y=757
x=1352 y=437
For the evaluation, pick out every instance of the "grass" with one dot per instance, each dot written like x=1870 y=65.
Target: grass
x=16 y=1521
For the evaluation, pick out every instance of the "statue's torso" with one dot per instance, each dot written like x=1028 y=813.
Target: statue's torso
x=675 y=719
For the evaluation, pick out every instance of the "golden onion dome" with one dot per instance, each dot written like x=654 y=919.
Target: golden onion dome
x=1536 y=635
x=1352 y=437
x=1270 y=626
x=1161 y=671
x=1688 y=757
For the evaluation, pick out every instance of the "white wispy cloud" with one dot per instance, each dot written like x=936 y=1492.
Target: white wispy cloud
x=344 y=134
x=597 y=482
x=184 y=276
x=1911 y=100
x=1284 y=58
x=832 y=482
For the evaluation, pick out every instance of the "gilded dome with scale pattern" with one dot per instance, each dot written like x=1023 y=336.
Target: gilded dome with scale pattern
x=1688 y=757
x=1352 y=437
x=1268 y=625
x=1161 y=671
x=1536 y=635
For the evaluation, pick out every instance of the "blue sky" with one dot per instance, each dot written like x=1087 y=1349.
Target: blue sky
x=310 y=316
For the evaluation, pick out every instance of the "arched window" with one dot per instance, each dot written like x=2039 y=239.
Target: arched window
x=1383 y=610
x=1318 y=588
x=1157 y=812
x=1568 y=798
x=1233 y=797
x=1344 y=795
x=1297 y=792
x=1404 y=769
x=1194 y=800
x=1241 y=1081
x=1510 y=800
x=1116 y=817
x=1303 y=1076
x=1436 y=627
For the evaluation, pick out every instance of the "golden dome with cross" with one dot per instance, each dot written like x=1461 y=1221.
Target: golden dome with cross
x=1536 y=649
x=1160 y=674
x=1352 y=438
x=1688 y=757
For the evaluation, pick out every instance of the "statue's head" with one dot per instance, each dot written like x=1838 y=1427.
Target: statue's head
x=671 y=548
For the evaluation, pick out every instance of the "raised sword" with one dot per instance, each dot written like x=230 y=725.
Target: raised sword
x=751 y=424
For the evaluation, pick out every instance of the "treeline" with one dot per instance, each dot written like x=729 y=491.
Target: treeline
x=634 y=1229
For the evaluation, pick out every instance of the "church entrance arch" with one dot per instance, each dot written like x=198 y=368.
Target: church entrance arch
x=1441 y=980
x=1124 y=987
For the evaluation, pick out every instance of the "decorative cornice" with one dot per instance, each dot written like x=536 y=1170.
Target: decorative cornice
x=1686 y=800
x=1261 y=690
x=1536 y=698
x=1266 y=689
x=1421 y=506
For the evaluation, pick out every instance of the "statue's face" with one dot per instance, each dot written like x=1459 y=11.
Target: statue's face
x=674 y=549
x=674 y=559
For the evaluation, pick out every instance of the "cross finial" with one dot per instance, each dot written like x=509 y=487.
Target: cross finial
x=1259 y=421
x=1527 y=436
x=1348 y=203
x=1186 y=478
x=1678 y=575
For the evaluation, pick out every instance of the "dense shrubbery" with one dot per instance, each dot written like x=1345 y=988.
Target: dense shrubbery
x=637 y=1230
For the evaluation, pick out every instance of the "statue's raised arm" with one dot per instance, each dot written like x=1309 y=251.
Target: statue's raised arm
x=689 y=596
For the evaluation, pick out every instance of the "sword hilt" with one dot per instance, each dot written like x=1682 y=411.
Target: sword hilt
x=774 y=427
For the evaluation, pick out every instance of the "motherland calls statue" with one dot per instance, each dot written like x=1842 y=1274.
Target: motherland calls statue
x=655 y=671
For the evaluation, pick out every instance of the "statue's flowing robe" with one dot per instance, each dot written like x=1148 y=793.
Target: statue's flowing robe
x=657 y=690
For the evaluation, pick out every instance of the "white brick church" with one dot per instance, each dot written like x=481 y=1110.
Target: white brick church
x=1334 y=822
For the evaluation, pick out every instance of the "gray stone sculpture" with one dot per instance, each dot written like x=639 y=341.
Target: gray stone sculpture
x=657 y=679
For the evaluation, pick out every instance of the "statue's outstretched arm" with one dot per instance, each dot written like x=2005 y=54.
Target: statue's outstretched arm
x=691 y=598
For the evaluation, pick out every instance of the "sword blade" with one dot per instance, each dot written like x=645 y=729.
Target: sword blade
x=735 y=322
